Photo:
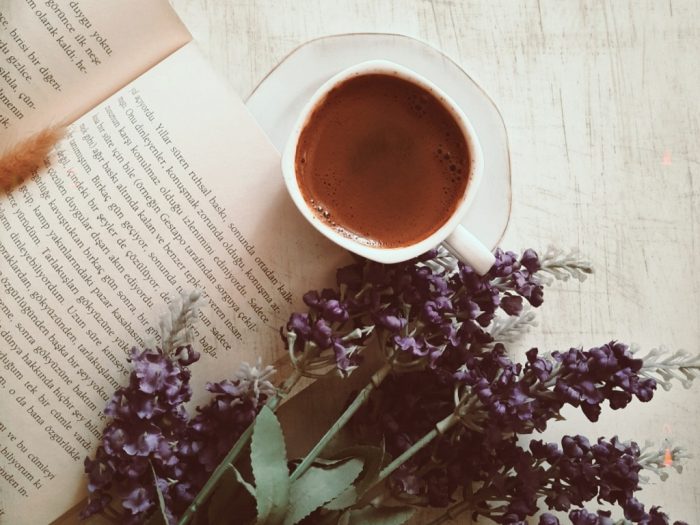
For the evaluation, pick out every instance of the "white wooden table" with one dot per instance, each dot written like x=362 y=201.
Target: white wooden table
x=601 y=103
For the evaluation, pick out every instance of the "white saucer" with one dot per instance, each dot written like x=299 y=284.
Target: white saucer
x=277 y=101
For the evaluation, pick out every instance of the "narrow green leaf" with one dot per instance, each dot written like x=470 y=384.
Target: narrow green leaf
x=163 y=517
x=380 y=515
x=319 y=486
x=330 y=463
x=231 y=498
x=268 y=458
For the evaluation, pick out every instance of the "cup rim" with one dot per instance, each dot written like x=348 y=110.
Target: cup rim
x=380 y=254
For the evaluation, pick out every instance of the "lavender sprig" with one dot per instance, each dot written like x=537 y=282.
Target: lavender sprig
x=440 y=444
x=555 y=264
x=508 y=329
x=327 y=336
x=440 y=327
x=421 y=313
x=566 y=476
x=151 y=435
x=563 y=265
x=665 y=367
x=148 y=423
x=583 y=517
x=660 y=460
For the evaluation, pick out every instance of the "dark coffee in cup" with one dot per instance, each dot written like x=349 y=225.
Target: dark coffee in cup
x=382 y=161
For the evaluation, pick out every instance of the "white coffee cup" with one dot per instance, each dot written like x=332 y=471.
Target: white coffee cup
x=457 y=238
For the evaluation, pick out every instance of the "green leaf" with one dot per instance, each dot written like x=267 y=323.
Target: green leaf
x=373 y=458
x=325 y=463
x=161 y=516
x=345 y=500
x=268 y=458
x=380 y=515
x=318 y=486
x=231 y=498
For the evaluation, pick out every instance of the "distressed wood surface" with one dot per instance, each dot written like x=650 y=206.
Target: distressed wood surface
x=600 y=99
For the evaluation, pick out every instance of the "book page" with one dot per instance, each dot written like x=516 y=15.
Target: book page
x=59 y=58
x=168 y=185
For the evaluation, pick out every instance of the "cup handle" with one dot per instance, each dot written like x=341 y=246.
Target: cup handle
x=469 y=249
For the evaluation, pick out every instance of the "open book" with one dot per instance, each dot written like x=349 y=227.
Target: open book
x=163 y=183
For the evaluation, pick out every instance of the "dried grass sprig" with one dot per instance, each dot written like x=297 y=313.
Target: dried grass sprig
x=20 y=161
x=176 y=324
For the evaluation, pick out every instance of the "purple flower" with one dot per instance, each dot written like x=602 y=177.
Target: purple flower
x=542 y=368
x=634 y=510
x=574 y=448
x=346 y=358
x=186 y=355
x=327 y=305
x=505 y=263
x=644 y=389
x=152 y=373
x=142 y=443
x=583 y=517
x=512 y=304
x=434 y=310
x=392 y=322
x=312 y=299
x=138 y=501
x=113 y=439
x=334 y=311
x=299 y=324
x=548 y=451
x=100 y=472
x=530 y=261
x=228 y=388
x=321 y=334
x=410 y=345
x=96 y=504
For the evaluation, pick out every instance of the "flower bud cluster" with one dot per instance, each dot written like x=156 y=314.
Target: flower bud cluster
x=151 y=441
x=421 y=309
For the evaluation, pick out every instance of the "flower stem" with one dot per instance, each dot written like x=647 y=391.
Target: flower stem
x=360 y=400
x=211 y=483
x=287 y=386
x=440 y=428
x=235 y=451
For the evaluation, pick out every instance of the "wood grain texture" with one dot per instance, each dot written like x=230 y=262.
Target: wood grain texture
x=601 y=104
